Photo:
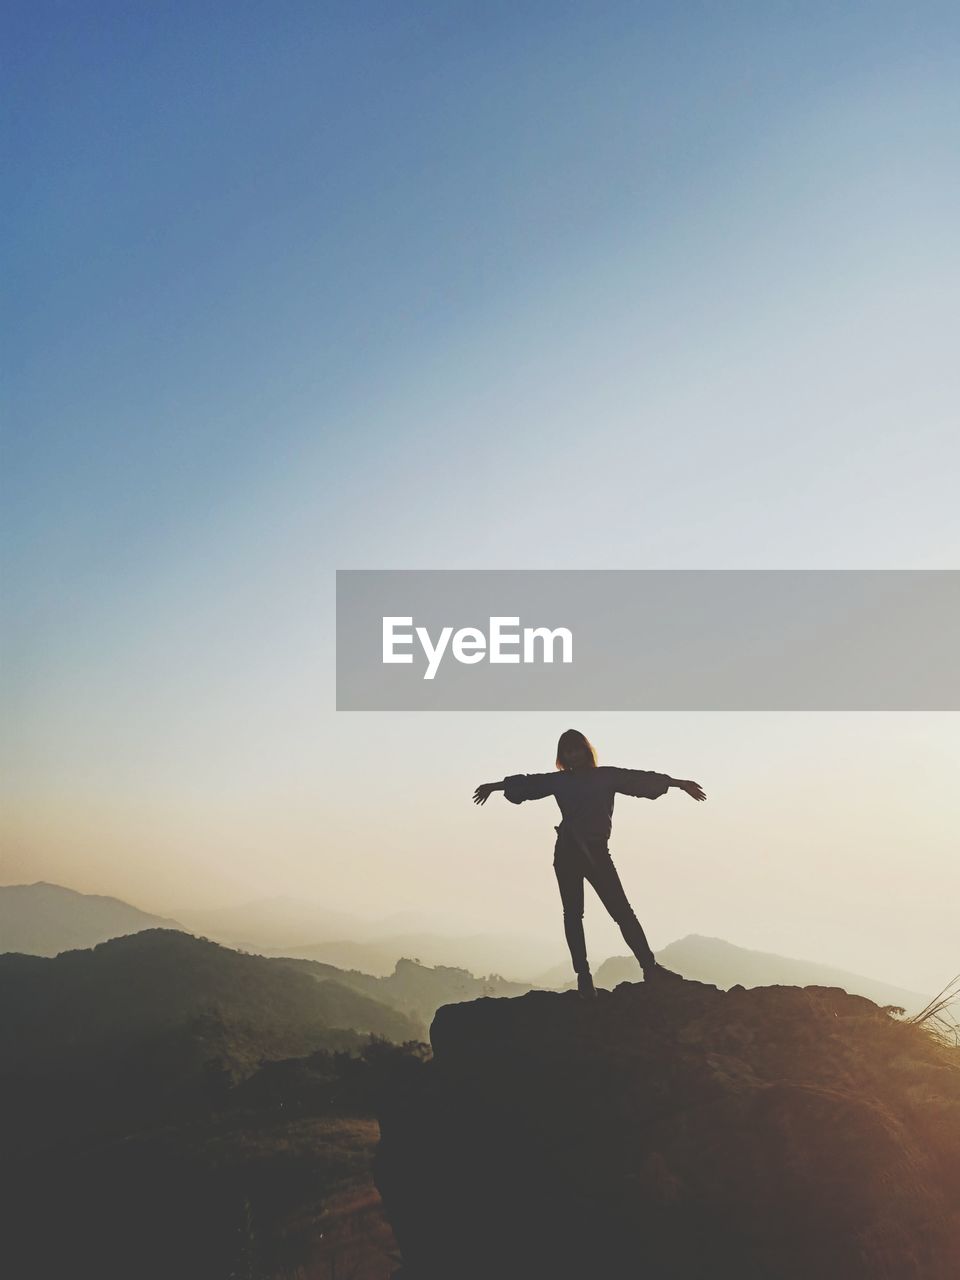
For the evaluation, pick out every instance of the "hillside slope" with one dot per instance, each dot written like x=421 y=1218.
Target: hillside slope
x=159 y=979
x=678 y=1132
x=511 y=956
x=139 y=1021
x=415 y=989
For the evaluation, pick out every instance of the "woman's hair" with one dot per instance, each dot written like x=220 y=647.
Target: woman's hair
x=574 y=740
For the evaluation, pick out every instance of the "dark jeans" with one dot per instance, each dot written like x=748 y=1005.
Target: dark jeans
x=574 y=863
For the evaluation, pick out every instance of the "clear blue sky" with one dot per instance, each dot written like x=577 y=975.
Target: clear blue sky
x=305 y=286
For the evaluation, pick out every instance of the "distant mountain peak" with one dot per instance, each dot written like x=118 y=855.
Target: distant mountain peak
x=725 y=964
x=44 y=919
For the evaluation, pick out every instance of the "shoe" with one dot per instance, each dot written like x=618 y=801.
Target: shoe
x=657 y=973
x=585 y=986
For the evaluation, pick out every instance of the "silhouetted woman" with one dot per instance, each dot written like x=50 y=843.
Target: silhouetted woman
x=584 y=791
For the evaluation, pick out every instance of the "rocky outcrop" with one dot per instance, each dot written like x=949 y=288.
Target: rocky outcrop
x=676 y=1132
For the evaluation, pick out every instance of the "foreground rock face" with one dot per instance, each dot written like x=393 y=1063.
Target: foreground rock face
x=676 y=1133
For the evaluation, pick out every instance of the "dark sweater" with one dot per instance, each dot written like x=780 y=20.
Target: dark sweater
x=585 y=796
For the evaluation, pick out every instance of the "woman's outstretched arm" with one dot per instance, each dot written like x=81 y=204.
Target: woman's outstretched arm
x=519 y=787
x=649 y=785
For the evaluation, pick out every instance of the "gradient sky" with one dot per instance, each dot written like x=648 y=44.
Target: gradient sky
x=542 y=285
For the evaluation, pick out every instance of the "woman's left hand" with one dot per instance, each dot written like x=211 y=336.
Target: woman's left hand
x=693 y=790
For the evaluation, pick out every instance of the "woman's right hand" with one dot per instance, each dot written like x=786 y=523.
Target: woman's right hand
x=484 y=792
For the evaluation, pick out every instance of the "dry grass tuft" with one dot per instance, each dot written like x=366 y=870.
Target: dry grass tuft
x=937 y=1017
